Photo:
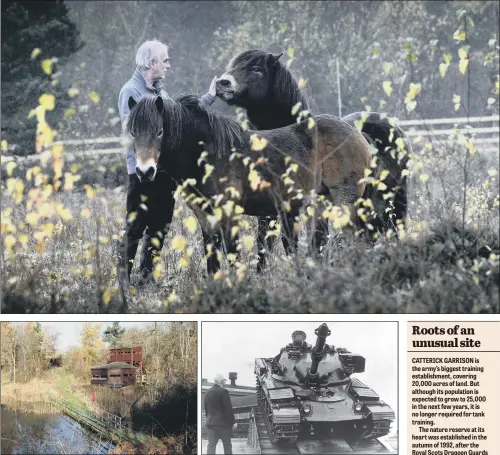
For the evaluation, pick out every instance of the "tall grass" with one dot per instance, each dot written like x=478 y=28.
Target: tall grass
x=444 y=262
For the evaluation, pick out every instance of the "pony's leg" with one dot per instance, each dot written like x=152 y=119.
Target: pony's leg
x=346 y=195
x=160 y=212
x=262 y=242
x=317 y=229
x=213 y=264
x=289 y=237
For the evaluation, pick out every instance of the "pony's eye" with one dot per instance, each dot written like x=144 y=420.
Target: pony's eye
x=131 y=134
x=256 y=69
x=160 y=133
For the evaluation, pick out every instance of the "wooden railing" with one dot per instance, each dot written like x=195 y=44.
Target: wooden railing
x=485 y=129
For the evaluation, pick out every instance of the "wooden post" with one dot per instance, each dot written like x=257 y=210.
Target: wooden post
x=339 y=96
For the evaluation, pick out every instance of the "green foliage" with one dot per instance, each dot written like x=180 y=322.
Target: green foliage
x=113 y=334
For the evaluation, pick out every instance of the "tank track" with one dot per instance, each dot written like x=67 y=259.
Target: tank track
x=284 y=432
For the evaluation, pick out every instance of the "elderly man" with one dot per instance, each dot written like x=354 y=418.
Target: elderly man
x=220 y=416
x=144 y=210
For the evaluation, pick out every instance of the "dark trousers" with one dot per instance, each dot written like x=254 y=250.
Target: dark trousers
x=151 y=205
x=216 y=432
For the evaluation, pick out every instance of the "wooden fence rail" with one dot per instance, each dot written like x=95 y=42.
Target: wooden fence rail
x=484 y=136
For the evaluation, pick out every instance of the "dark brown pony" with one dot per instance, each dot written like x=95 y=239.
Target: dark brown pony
x=265 y=173
x=260 y=83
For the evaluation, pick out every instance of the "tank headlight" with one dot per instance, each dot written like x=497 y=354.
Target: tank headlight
x=358 y=406
x=307 y=409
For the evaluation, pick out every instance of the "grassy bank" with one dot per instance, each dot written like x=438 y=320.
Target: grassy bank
x=143 y=412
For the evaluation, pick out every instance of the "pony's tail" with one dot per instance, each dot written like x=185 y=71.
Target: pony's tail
x=381 y=134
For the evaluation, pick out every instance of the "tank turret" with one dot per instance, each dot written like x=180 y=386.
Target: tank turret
x=307 y=392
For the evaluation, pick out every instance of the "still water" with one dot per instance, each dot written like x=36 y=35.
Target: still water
x=47 y=434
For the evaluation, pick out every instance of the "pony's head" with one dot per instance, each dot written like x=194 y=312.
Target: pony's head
x=145 y=128
x=249 y=77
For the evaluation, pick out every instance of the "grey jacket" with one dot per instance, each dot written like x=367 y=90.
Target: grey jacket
x=136 y=87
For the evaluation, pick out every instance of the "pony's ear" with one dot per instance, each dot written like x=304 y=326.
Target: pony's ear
x=159 y=104
x=131 y=103
x=276 y=57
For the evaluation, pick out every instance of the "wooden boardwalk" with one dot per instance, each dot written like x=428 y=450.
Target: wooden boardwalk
x=107 y=427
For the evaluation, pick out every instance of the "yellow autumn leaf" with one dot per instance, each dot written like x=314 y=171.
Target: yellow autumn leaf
x=158 y=271
x=179 y=243
x=411 y=105
x=10 y=167
x=32 y=218
x=387 y=86
x=73 y=91
x=459 y=36
x=35 y=53
x=48 y=101
x=219 y=275
x=23 y=239
x=183 y=262
x=47 y=66
x=254 y=179
x=4 y=145
x=491 y=101
x=85 y=213
x=462 y=53
x=443 y=67
x=381 y=186
x=69 y=113
x=296 y=108
x=63 y=212
x=463 y=64
x=257 y=143
x=470 y=147
x=9 y=241
x=302 y=83
x=190 y=223
x=310 y=123
x=383 y=174
x=247 y=241
x=90 y=191
x=208 y=172
x=106 y=296
x=94 y=96
x=424 y=177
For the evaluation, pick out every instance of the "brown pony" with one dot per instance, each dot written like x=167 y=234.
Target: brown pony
x=265 y=173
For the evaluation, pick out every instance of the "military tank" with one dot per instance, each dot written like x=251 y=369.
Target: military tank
x=307 y=392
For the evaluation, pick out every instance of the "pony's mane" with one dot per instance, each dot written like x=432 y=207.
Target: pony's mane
x=226 y=133
x=285 y=88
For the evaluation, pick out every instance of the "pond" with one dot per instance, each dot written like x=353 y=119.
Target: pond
x=24 y=433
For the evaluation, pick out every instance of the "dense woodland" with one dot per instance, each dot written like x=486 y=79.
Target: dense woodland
x=95 y=45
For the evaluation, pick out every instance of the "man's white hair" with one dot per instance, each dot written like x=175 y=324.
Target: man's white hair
x=219 y=379
x=148 y=53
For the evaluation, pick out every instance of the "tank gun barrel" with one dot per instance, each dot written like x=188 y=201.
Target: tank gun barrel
x=319 y=349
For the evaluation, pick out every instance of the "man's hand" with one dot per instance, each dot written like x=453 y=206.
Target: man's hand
x=213 y=87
